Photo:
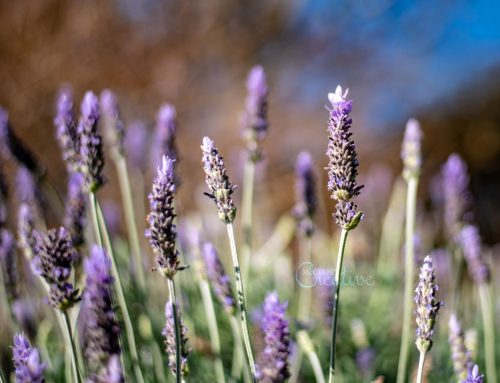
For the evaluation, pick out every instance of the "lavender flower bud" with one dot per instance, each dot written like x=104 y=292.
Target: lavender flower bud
x=220 y=281
x=462 y=362
x=305 y=186
x=101 y=331
x=27 y=364
x=471 y=247
x=474 y=376
x=343 y=163
x=217 y=181
x=112 y=373
x=113 y=125
x=427 y=306
x=136 y=140
x=166 y=126
x=273 y=366
x=91 y=150
x=411 y=151
x=170 y=345
x=162 y=232
x=8 y=264
x=76 y=204
x=54 y=260
x=26 y=230
x=66 y=130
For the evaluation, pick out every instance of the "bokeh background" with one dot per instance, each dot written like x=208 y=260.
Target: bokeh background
x=438 y=61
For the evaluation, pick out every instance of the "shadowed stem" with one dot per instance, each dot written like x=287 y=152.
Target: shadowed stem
x=177 y=327
x=420 y=371
x=338 y=271
x=238 y=354
x=247 y=216
x=241 y=301
x=2 y=380
x=489 y=332
x=70 y=344
x=411 y=206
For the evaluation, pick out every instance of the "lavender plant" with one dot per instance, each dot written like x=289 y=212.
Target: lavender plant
x=28 y=366
x=462 y=361
x=66 y=130
x=175 y=334
x=75 y=217
x=164 y=140
x=474 y=376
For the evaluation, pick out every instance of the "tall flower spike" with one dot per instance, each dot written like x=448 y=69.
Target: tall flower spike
x=273 y=366
x=54 y=260
x=101 y=330
x=26 y=230
x=8 y=264
x=462 y=362
x=411 y=151
x=471 y=246
x=427 y=306
x=91 y=150
x=136 y=140
x=305 y=207
x=220 y=281
x=169 y=334
x=162 y=232
x=27 y=364
x=76 y=204
x=166 y=126
x=343 y=163
x=66 y=129
x=217 y=181
x=474 y=376
x=113 y=125
x=27 y=191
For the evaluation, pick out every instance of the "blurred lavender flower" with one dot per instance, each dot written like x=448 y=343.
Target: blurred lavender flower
x=113 y=125
x=112 y=373
x=326 y=301
x=471 y=246
x=112 y=216
x=306 y=200
x=27 y=364
x=136 y=140
x=427 y=306
x=462 y=362
x=26 y=230
x=411 y=151
x=66 y=130
x=217 y=181
x=101 y=330
x=165 y=131
x=27 y=190
x=8 y=264
x=4 y=194
x=76 y=204
x=169 y=334
x=162 y=231
x=220 y=281
x=474 y=376
x=365 y=361
x=25 y=313
x=91 y=153
x=273 y=366
x=343 y=163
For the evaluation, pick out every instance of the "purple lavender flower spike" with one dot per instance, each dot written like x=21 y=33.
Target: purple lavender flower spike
x=27 y=364
x=471 y=247
x=474 y=376
x=4 y=194
x=411 y=151
x=343 y=163
x=274 y=366
x=166 y=126
x=136 y=140
x=76 y=204
x=91 y=151
x=169 y=334
x=427 y=306
x=220 y=281
x=26 y=230
x=162 y=232
x=8 y=264
x=113 y=125
x=101 y=330
x=217 y=181
x=25 y=313
x=66 y=129
x=462 y=361
x=305 y=186
x=27 y=190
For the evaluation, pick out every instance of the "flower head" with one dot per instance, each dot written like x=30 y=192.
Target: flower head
x=166 y=127
x=305 y=188
x=76 y=204
x=27 y=364
x=462 y=361
x=411 y=151
x=471 y=247
x=474 y=376
x=136 y=139
x=170 y=344
x=66 y=130
x=113 y=125
x=28 y=191
x=4 y=193
x=217 y=181
x=26 y=230
x=8 y=264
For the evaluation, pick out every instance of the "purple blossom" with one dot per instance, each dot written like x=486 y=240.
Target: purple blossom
x=471 y=247
x=273 y=364
x=170 y=344
x=4 y=194
x=166 y=127
x=27 y=364
x=25 y=313
x=136 y=140
x=112 y=373
x=365 y=360
x=474 y=376
x=27 y=190
x=411 y=151
x=26 y=230
x=66 y=129
x=305 y=190
x=76 y=205
x=460 y=356
x=8 y=264
x=113 y=126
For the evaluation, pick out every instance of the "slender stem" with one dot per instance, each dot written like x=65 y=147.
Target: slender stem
x=411 y=207
x=304 y=306
x=238 y=354
x=241 y=301
x=129 y=329
x=306 y=346
x=338 y=271
x=2 y=380
x=489 y=332
x=247 y=216
x=128 y=207
x=95 y=220
x=177 y=326
x=296 y=364
x=420 y=371
x=70 y=343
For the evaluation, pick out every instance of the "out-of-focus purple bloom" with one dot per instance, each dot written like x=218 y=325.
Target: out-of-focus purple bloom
x=326 y=300
x=112 y=373
x=91 y=154
x=136 y=140
x=27 y=364
x=8 y=264
x=170 y=345
x=24 y=311
x=411 y=151
x=164 y=136
x=4 y=194
x=427 y=306
x=441 y=259
x=343 y=163
x=162 y=232
x=27 y=190
x=113 y=125
x=474 y=376
x=471 y=247
x=217 y=181
x=112 y=216
x=26 y=230
x=220 y=281
x=460 y=356
x=76 y=204
x=365 y=360
x=305 y=186
x=273 y=364
x=101 y=330
x=66 y=129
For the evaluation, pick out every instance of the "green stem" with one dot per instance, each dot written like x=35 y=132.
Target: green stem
x=306 y=346
x=177 y=326
x=304 y=305
x=95 y=220
x=102 y=232
x=238 y=354
x=411 y=207
x=241 y=301
x=420 y=371
x=247 y=216
x=128 y=207
x=2 y=380
x=338 y=271
x=489 y=332
x=70 y=344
